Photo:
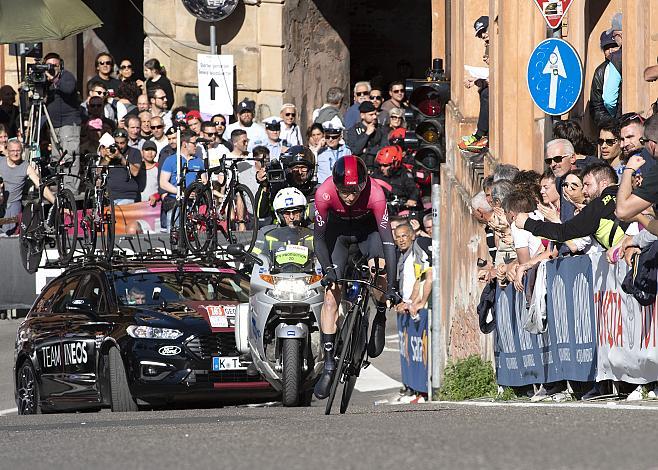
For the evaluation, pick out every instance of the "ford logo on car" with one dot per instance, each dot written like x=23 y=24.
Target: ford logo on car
x=169 y=350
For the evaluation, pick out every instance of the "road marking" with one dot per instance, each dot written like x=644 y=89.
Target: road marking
x=391 y=349
x=390 y=337
x=572 y=404
x=373 y=379
x=8 y=411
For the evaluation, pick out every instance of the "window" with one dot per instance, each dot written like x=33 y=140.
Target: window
x=65 y=295
x=44 y=302
x=91 y=289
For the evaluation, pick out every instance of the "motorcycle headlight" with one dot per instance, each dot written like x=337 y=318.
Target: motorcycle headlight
x=149 y=332
x=288 y=289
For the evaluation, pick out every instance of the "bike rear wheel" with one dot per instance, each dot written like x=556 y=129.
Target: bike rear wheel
x=106 y=228
x=66 y=225
x=346 y=353
x=198 y=224
x=87 y=224
x=31 y=238
x=241 y=220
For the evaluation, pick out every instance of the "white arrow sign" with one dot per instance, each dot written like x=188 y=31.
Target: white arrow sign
x=555 y=67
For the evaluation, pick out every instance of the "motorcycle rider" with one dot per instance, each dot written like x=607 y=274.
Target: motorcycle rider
x=297 y=164
x=398 y=183
x=351 y=209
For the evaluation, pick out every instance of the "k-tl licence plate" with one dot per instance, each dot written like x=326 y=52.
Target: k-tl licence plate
x=227 y=363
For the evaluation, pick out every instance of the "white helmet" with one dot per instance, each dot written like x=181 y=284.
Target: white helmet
x=286 y=199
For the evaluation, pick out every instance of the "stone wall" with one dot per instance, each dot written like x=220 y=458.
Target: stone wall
x=316 y=56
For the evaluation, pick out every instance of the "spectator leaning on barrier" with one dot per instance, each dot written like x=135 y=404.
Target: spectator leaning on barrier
x=504 y=171
x=633 y=201
x=15 y=172
x=596 y=219
x=505 y=252
x=584 y=150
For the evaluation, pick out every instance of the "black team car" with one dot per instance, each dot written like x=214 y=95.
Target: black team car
x=137 y=333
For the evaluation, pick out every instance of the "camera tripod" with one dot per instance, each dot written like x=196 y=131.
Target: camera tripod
x=37 y=113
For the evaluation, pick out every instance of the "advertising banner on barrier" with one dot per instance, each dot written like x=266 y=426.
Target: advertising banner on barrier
x=567 y=349
x=413 y=350
x=626 y=331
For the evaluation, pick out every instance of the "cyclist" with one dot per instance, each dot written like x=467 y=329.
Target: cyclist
x=351 y=209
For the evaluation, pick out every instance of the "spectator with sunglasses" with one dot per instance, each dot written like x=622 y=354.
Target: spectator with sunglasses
x=220 y=124
x=361 y=95
x=158 y=136
x=396 y=100
x=291 y=134
x=104 y=69
x=127 y=72
x=609 y=144
x=333 y=149
x=377 y=99
x=96 y=87
x=159 y=106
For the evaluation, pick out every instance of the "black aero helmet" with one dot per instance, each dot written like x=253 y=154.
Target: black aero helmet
x=350 y=173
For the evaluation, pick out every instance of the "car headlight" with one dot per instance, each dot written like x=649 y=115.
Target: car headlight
x=288 y=289
x=149 y=332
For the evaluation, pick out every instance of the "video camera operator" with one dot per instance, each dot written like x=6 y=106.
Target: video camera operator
x=64 y=109
x=398 y=183
x=294 y=169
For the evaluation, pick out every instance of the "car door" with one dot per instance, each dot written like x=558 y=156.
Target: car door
x=40 y=336
x=59 y=315
x=82 y=337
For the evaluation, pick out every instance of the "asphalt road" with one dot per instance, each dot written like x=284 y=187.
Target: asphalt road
x=443 y=435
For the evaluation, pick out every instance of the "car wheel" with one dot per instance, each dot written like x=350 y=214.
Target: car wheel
x=120 y=397
x=27 y=390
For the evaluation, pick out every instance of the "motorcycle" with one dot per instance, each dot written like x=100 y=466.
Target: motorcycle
x=281 y=331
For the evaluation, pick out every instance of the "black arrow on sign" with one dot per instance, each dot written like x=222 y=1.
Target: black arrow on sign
x=212 y=85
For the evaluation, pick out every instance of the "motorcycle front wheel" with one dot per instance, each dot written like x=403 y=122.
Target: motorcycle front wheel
x=292 y=371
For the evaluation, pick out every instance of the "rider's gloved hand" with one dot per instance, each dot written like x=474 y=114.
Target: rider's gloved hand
x=330 y=277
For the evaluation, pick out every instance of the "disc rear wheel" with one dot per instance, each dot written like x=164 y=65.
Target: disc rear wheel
x=66 y=225
x=241 y=220
x=198 y=224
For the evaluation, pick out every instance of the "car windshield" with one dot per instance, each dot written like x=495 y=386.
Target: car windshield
x=150 y=288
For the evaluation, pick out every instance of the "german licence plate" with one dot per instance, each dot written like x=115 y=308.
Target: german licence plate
x=227 y=363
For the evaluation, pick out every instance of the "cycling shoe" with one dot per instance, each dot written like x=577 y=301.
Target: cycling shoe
x=323 y=385
x=377 y=335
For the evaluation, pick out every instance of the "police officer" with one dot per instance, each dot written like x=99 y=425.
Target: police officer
x=298 y=170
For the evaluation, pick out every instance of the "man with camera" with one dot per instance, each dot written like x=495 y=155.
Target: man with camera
x=121 y=181
x=64 y=110
x=294 y=169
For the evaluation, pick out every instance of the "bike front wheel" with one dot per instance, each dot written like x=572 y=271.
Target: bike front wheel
x=198 y=221
x=31 y=239
x=346 y=355
x=241 y=220
x=66 y=225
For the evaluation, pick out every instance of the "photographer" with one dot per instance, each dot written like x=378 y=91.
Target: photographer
x=64 y=110
x=123 y=185
x=398 y=183
x=294 y=169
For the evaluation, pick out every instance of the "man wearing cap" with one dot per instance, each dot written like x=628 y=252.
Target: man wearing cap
x=366 y=137
x=148 y=174
x=480 y=139
x=290 y=132
x=597 y=108
x=273 y=131
x=170 y=149
x=361 y=95
x=334 y=149
x=255 y=132
x=611 y=93
x=193 y=121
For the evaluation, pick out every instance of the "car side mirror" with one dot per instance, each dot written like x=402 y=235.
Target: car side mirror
x=83 y=306
x=235 y=250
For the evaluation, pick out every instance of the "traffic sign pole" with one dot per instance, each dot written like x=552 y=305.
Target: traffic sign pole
x=213 y=39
